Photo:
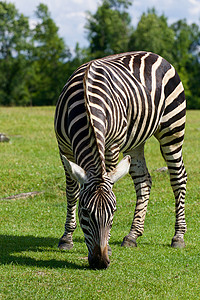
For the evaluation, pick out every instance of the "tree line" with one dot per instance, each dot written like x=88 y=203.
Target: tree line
x=35 y=63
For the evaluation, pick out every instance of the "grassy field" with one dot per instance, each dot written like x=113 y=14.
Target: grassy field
x=32 y=267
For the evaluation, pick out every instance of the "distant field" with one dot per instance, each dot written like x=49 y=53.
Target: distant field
x=32 y=267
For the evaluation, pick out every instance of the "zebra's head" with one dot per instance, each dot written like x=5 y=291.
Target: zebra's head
x=97 y=204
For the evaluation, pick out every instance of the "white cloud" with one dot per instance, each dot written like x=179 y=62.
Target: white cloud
x=70 y=17
x=32 y=23
x=194 y=7
x=79 y=14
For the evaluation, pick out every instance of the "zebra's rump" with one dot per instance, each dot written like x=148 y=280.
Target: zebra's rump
x=115 y=103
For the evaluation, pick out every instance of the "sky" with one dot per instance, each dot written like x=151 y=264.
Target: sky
x=70 y=15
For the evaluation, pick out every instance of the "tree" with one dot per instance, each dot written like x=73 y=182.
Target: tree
x=14 y=56
x=153 y=34
x=109 y=28
x=186 y=53
x=186 y=43
x=35 y=64
x=81 y=56
x=49 y=57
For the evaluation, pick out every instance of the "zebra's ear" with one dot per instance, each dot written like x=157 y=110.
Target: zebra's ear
x=76 y=172
x=121 y=170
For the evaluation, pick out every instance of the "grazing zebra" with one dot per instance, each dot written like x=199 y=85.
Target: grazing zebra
x=113 y=105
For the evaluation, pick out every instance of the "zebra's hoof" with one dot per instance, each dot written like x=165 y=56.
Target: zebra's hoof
x=177 y=243
x=65 y=243
x=129 y=242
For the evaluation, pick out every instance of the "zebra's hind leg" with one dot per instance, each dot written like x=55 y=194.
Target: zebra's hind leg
x=178 y=179
x=171 y=149
x=72 y=193
x=142 y=182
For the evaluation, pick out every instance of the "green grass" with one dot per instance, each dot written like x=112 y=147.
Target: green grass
x=32 y=267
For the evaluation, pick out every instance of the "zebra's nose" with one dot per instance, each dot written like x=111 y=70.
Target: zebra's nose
x=97 y=262
x=99 y=259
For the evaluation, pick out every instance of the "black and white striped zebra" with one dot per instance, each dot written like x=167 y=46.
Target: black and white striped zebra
x=113 y=105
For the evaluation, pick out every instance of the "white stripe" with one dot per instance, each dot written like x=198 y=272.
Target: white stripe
x=173 y=112
x=96 y=106
x=81 y=116
x=169 y=139
x=178 y=90
x=168 y=75
x=98 y=120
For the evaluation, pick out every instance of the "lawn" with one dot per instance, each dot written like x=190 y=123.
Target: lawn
x=31 y=265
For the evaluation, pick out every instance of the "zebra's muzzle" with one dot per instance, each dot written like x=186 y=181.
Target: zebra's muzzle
x=99 y=259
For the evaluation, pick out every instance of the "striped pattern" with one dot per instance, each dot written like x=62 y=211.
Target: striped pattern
x=96 y=212
x=114 y=105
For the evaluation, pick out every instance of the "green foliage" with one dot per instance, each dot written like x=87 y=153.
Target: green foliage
x=36 y=63
x=32 y=267
x=31 y=61
x=153 y=34
x=82 y=55
x=14 y=53
x=12 y=41
x=49 y=55
x=109 y=28
x=186 y=59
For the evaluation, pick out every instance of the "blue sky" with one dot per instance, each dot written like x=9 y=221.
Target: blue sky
x=70 y=15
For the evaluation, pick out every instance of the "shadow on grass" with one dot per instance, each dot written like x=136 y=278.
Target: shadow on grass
x=12 y=246
x=142 y=243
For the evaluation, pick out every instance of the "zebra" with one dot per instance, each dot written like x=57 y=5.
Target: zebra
x=112 y=105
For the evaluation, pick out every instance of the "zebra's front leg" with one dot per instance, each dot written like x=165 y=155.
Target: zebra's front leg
x=142 y=182
x=72 y=193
